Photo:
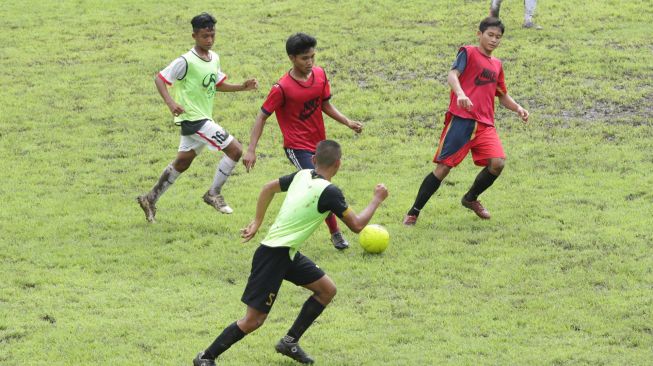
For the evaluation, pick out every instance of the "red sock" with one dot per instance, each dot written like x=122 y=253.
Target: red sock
x=332 y=223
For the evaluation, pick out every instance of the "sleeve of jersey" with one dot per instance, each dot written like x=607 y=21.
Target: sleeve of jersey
x=326 y=93
x=273 y=101
x=222 y=77
x=284 y=182
x=333 y=200
x=173 y=72
x=461 y=61
x=501 y=84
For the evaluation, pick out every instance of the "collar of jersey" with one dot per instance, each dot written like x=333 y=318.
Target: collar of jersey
x=300 y=83
x=200 y=57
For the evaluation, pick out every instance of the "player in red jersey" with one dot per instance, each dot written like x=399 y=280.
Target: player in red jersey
x=475 y=79
x=298 y=99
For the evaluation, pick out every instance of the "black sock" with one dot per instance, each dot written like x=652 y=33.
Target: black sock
x=429 y=186
x=228 y=337
x=483 y=181
x=310 y=311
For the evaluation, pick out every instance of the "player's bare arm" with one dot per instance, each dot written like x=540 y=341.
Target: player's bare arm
x=250 y=84
x=265 y=197
x=462 y=100
x=507 y=101
x=356 y=222
x=161 y=86
x=257 y=130
x=334 y=113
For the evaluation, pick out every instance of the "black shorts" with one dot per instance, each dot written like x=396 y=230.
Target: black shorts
x=301 y=159
x=270 y=266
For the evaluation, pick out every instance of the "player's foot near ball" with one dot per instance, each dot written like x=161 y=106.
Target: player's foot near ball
x=410 y=220
x=339 y=241
x=217 y=202
x=476 y=206
x=199 y=361
x=148 y=207
x=293 y=351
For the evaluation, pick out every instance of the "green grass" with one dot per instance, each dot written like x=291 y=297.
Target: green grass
x=561 y=275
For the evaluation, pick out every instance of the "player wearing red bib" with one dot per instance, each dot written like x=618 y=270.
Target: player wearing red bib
x=475 y=79
x=298 y=100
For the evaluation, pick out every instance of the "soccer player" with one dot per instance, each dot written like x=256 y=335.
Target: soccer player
x=476 y=77
x=298 y=99
x=310 y=197
x=195 y=77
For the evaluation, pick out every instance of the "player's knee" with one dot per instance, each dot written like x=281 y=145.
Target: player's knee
x=235 y=150
x=327 y=293
x=496 y=166
x=250 y=324
x=441 y=171
x=332 y=292
x=181 y=165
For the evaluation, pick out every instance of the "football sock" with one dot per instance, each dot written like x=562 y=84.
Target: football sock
x=529 y=10
x=429 y=186
x=226 y=339
x=483 y=181
x=225 y=167
x=332 y=223
x=166 y=179
x=495 y=6
x=310 y=311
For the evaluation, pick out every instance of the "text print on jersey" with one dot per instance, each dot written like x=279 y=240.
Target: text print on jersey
x=486 y=77
x=309 y=108
x=209 y=83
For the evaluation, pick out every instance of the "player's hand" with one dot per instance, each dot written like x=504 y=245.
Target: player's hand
x=248 y=232
x=381 y=192
x=250 y=84
x=175 y=109
x=523 y=114
x=464 y=102
x=249 y=160
x=355 y=125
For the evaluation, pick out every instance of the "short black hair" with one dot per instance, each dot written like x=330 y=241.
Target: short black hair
x=300 y=43
x=327 y=153
x=204 y=20
x=491 y=22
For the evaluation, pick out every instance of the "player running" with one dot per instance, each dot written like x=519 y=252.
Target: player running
x=195 y=77
x=298 y=99
x=310 y=198
x=475 y=79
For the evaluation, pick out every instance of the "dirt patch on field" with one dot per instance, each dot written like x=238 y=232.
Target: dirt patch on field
x=604 y=112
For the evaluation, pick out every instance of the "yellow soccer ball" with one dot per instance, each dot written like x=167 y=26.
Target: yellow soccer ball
x=374 y=238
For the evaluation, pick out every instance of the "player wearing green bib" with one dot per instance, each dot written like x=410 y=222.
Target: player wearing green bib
x=298 y=216
x=194 y=79
x=310 y=198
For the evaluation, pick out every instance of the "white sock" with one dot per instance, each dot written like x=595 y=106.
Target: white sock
x=529 y=10
x=495 y=6
x=225 y=167
x=166 y=179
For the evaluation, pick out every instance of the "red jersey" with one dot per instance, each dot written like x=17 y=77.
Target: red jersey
x=481 y=81
x=298 y=106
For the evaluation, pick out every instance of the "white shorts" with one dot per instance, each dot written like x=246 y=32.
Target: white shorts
x=211 y=135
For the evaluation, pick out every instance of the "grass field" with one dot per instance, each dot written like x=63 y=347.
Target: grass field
x=561 y=275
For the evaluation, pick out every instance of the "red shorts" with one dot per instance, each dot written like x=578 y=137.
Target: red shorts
x=461 y=135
